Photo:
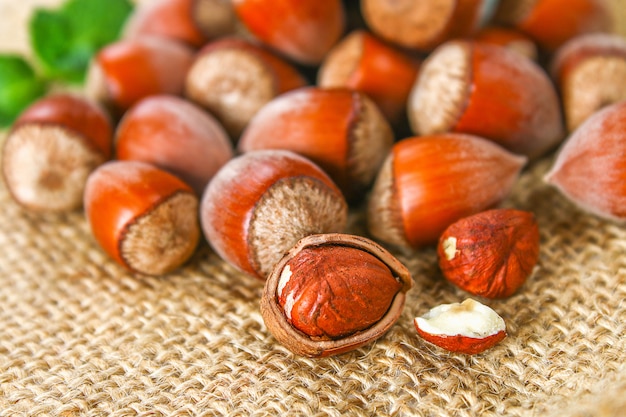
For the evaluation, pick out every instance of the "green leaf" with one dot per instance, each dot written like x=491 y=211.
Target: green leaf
x=52 y=41
x=19 y=87
x=65 y=40
x=96 y=22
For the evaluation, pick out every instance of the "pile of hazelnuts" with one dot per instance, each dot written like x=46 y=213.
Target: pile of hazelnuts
x=258 y=125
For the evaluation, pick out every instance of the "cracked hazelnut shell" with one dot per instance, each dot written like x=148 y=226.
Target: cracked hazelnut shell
x=332 y=293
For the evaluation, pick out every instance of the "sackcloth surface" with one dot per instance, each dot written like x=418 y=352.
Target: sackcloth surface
x=80 y=336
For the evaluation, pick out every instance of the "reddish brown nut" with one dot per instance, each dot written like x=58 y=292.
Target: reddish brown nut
x=127 y=71
x=429 y=182
x=489 y=91
x=193 y=22
x=172 y=19
x=303 y=30
x=364 y=63
x=590 y=71
x=175 y=135
x=590 y=168
x=333 y=293
x=553 y=22
x=425 y=24
x=510 y=38
x=261 y=203
x=340 y=130
x=233 y=79
x=468 y=327
x=491 y=253
x=52 y=148
x=145 y=218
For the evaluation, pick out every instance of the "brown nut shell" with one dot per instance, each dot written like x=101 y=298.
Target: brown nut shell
x=302 y=344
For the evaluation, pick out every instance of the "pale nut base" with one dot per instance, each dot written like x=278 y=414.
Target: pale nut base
x=232 y=84
x=594 y=83
x=289 y=210
x=409 y=23
x=383 y=210
x=373 y=139
x=441 y=91
x=165 y=238
x=214 y=18
x=469 y=318
x=341 y=62
x=45 y=167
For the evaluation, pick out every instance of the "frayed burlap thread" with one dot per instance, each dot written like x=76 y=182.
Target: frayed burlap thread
x=81 y=336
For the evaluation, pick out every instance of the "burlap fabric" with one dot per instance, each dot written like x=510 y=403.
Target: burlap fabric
x=81 y=336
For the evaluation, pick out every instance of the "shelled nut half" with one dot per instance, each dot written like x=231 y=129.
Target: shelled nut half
x=468 y=327
x=488 y=91
x=51 y=150
x=145 y=218
x=332 y=293
x=341 y=130
x=261 y=203
x=429 y=182
x=590 y=72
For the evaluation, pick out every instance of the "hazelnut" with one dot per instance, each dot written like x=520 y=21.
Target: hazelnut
x=429 y=182
x=425 y=24
x=340 y=130
x=215 y=18
x=490 y=254
x=332 y=293
x=261 y=203
x=468 y=327
x=52 y=148
x=145 y=218
x=124 y=72
x=193 y=22
x=511 y=38
x=175 y=135
x=302 y=30
x=170 y=19
x=364 y=63
x=590 y=168
x=233 y=78
x=488 y=91
x=551 y=23
x=590 y=71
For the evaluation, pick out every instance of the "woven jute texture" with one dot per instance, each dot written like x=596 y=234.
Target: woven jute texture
x=80 y=336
